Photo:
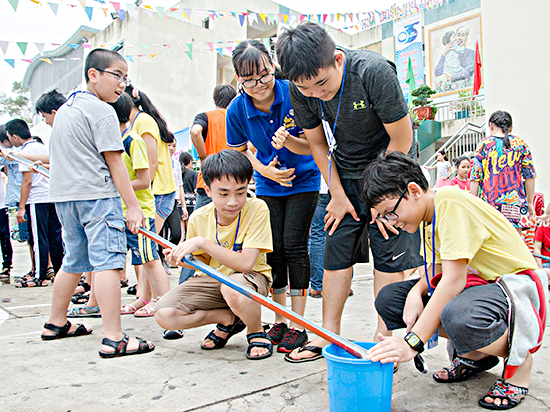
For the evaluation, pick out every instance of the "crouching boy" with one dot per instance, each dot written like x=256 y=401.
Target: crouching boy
x=232 y=234
x=502 y=314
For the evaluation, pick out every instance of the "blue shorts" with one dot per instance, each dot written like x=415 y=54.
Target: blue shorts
x=143 y=249
x=164 y=204
x=93 y=234
x=545 y=264
x=23 y=229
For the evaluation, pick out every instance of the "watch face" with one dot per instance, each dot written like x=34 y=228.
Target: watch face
x=413 y=340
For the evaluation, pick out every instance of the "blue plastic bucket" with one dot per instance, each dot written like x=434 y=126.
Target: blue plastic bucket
x=357 y=384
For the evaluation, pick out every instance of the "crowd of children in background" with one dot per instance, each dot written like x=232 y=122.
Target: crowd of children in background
x=113 y=169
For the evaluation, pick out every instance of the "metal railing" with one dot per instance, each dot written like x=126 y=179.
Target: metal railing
x=464 y=141
x=463 y=108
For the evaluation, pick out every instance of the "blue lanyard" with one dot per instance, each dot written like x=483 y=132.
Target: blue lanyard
x=124 y=132
x=133 y=121
x=73 y=96
x=332 y=141
x=431 y=289
x=234 y=248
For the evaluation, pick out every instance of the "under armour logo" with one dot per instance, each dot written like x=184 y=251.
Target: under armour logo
x=359 y=105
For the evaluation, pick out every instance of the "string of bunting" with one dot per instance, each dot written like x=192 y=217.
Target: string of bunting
x=362 y=19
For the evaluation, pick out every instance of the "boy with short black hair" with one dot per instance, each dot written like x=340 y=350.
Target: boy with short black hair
x=351 y=108
x=34 y=207
x=489 y=299
x=5 y=241
x=48 y=104
x=87 y=180
x=232 y=234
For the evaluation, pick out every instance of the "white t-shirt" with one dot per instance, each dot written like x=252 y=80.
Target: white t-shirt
x=176 y=169
x=40 y=183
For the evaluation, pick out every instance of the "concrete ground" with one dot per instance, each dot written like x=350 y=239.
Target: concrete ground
x=68 y=374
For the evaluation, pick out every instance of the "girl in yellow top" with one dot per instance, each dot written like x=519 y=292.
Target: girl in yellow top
x=146 y=120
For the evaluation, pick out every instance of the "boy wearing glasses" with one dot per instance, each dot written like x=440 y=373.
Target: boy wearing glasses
x=87 y=180
x=488 y=298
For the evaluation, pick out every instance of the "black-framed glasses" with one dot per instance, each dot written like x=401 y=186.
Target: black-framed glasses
x=119 y=77
x=266 y=78
x=392 y=215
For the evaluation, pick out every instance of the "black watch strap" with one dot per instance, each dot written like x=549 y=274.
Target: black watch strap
x=414 y=342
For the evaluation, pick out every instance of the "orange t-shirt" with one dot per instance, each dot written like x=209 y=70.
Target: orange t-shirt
x=215 y=136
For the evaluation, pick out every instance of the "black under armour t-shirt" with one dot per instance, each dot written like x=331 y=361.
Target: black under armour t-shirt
x=372 y=96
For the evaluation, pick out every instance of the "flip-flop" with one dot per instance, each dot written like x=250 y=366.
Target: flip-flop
x=318 y=351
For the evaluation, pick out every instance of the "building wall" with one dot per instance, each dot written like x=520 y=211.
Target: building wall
x=512 y=59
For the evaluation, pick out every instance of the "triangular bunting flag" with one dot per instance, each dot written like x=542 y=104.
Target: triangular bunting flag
x=105 y=10
x=14 y=5
x=121 y=14
x=74 y=46
x=302 y=17
x=160 y=12
x=210 y=46
x=271 y=17
x=11 y=62
x=40 y=47
x=136 y=14
x=129 y=57
x=262 y=16
x=281 y=18
x=89 y=11
x=266 y=43
x=220 y=51
x=36 y=2
x=130 y=7
x=4 y=46
x=27 y=60
x=190 y=46
x=153 y=55
x=241 y=19
x=200 y=13
x=149 y=13
x=230 y=50
x=190 y=54
x=83 y=2
x=187 y=13
x=285 y=18
x=144 y=46
x=116 y=6
x=250 y=19
x=47 y=60
x=22 y=46
x=54 y=7
x=324 y=17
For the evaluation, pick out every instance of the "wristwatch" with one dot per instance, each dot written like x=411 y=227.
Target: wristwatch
x=414 y=342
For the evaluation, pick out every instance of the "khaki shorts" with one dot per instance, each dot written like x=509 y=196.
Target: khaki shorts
x=203 y=292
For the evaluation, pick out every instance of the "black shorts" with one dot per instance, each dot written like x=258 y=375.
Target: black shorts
x=349 y=244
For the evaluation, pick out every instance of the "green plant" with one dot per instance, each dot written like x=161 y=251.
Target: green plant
x=422 y=94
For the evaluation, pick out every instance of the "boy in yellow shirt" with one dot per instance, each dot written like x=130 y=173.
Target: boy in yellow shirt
x=232 y=234
x=484 y=266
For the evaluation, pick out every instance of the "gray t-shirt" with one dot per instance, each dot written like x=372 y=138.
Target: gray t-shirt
x=371 y=96
x=84 y=128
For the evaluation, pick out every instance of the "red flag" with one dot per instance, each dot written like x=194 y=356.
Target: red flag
x=477 y=71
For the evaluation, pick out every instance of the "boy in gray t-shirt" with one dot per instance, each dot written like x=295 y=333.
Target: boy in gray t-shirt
x=86 y=169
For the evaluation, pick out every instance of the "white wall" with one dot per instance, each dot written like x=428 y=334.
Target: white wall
x=516 y=62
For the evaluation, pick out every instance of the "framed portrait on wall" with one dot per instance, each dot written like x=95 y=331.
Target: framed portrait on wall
x=452 y=54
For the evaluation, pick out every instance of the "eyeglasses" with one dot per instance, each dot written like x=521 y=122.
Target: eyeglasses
x=119 y=77
x=266 y=78
x=392 y=215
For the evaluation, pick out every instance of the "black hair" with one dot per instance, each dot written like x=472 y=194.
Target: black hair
x=146 y=105
x=444 y=154
x=19 y=127
x=460 y=159
x=502 y=120
x=100 y=59
x=250 y=57
x=387 y=177
x=446 y=39
x=228 y=163
x=3 y=134
x=304 y=50
x=223 y=94
x=49 y=102
x=38 y=139
x=185 y=158
x=123 y=108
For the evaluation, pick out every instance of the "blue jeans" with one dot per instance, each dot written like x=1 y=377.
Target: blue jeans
x=317 y=243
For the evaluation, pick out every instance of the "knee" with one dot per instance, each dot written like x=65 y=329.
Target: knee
x=233 y=298
x=383 y=301
x=165 y=317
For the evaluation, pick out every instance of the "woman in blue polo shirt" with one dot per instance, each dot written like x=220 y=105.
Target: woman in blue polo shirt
x=288 y=182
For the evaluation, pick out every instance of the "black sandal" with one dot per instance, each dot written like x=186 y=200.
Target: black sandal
x=233 y=329
x=504 y=390
x=266 y=345
x=63 y=331
x=317 y=350
x=132 y=290
x=462 y=368
x=80 y=298
x=27 y=283
x=120 y=347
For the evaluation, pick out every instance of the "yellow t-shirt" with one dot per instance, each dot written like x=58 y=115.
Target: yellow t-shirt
x=254 y=233
x=135 y=158
x=163 y=182
x=468 y=228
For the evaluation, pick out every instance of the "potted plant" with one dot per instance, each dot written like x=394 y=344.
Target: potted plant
x=422 y=102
